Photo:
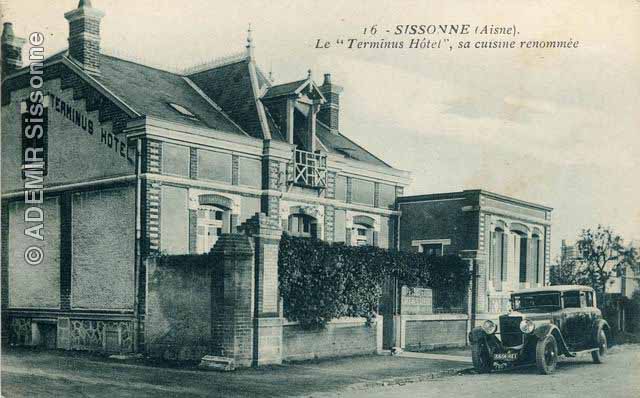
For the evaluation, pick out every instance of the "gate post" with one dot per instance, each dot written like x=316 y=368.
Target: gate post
x=267 y=320
x=232 y=299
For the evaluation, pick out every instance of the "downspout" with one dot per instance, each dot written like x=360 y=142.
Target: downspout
x=397 y=289
x=138 y=256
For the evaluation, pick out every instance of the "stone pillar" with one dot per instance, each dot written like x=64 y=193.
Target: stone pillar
x=232 y=300
x=271 y=183
x=267 y=322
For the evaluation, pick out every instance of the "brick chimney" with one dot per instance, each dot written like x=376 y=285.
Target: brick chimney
x=84 y=36
x=11 y=50
x=330 y=111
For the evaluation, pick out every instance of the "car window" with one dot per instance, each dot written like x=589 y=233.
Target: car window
x=547 y=301
x=571 y=300
x=589 y=299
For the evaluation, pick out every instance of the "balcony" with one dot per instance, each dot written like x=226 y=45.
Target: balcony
x=308 y=169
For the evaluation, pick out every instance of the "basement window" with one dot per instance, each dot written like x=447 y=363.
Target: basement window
x=183 y=111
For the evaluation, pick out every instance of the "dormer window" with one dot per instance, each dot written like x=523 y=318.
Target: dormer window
x=183 y=111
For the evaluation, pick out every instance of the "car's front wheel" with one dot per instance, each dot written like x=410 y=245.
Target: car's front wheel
x=599 y=354
x=482 y=361
x=547 y=355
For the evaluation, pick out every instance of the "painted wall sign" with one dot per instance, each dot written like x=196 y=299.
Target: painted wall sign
x=111 y=141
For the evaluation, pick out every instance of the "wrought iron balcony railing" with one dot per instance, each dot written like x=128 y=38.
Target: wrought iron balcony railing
x=308 y=169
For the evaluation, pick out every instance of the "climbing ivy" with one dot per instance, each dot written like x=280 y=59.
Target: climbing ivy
x=321 y=281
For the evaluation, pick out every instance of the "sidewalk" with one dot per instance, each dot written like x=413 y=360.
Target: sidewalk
x=56 y=373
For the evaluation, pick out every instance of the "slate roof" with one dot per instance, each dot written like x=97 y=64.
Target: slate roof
x=149 y=91
x=282 y=89
x=230 y=87
x=338 y=143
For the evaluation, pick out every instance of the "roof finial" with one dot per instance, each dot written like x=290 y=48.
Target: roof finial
x=309 y=74
x=85 y=3
x=271 y=71
x=249 y=42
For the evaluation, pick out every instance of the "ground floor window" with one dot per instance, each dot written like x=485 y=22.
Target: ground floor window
x=432 y=249
x=210 y=225
x=363 y=235
x=302 y=225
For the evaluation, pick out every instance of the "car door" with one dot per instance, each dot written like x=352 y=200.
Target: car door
x=572 y=314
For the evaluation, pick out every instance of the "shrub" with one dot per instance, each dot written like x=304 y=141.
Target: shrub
x=320 y=281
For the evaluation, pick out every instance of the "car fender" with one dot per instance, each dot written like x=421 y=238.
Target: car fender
x=477 y=334
x=599 y=324
x=550 y=329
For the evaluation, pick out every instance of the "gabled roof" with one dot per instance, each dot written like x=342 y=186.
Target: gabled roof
x=292 y=88
x=150 y=91
x=283 y=89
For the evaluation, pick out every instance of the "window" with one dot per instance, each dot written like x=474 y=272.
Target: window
x=363 y=235
x=589 y=299
x=432 y=249
x=210 y=225
x=499 y=255
x=571 y=300
x=302 y=225
x=183 y=111
x=535 y=256
x=524 y=245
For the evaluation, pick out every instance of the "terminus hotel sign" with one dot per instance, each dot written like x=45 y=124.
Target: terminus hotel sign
x=39 y=139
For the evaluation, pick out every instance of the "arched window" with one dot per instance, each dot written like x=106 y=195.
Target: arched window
x=302 y=225
x=212 y=221
x=536 y=257
x=521 y=247
x=499 y=256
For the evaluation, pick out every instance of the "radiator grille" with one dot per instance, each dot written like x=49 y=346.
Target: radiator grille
x=510 y=333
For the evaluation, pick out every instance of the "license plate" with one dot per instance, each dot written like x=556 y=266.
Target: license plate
x=505 y=356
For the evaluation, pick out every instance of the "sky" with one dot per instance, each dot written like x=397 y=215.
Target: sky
x=557 y=127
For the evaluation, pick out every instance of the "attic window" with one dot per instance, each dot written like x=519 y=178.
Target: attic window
x=183 y=111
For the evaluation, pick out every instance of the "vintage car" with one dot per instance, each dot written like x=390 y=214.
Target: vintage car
x=542 y=324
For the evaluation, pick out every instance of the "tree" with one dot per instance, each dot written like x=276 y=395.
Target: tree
x=603 y=255
x=567 y=271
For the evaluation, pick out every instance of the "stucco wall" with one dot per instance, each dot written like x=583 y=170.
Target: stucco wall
x=174 y=220
x=178 y=318
x=34 y=286
x=103 y=249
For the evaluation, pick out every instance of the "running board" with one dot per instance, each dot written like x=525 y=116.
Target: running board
x=576 y=353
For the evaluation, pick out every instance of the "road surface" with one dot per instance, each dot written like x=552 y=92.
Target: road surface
x=575 y=378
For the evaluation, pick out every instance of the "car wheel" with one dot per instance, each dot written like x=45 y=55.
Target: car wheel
x=482 y=361
x=601 y=352
x=547 y=355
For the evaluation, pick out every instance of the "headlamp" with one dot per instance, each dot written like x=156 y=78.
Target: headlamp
x=526 y=326
x=489 y=327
